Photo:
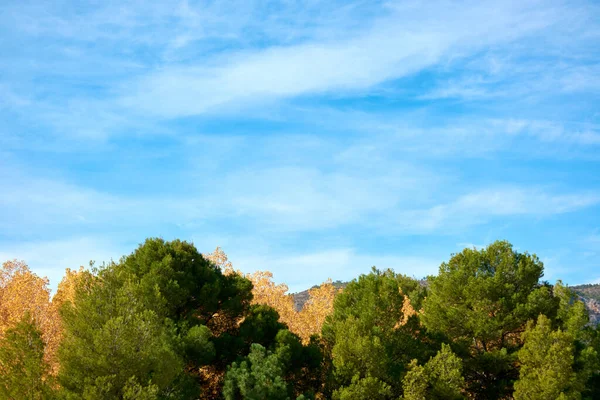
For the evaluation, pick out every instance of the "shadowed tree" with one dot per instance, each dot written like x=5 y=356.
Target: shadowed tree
x=258 y=377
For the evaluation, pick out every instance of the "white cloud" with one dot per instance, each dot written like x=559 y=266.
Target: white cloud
x=308 y=198
x=591 y=244
x=35 y=206
x=411 y=39
x=549 y=131
x=279 y=198
x=517 y=201
x=481 y=206
x=246 y=57
x=343 y=190
x=380 y=136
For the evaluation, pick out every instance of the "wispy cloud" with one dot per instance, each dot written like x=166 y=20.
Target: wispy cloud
x=245 y=58
x=381 y=198
x=394 y=47
x=480 y=206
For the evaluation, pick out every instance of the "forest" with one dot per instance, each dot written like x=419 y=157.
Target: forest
x=167 y=322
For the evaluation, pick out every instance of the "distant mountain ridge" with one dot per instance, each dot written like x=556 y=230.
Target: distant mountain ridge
x=589 y=294
x=300 y=298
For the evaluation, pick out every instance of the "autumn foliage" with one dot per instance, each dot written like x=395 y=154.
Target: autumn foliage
x=305 y=322
x=24 y=293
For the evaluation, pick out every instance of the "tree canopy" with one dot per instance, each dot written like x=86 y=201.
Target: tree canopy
x=166 y=322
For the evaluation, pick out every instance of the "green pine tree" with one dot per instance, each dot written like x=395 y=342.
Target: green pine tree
x=481 y=301
x=547 y=361
x=258 y=377
x=367 y=336
x=23 y=372
x=439 y=379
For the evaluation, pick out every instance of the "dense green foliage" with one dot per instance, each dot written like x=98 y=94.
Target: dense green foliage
x=140 y=322
x=165 y=323
x=22 y=370
x=368 y=344
x=440 y=378
x=547 y=364
x=260 y=376
x=481 y=301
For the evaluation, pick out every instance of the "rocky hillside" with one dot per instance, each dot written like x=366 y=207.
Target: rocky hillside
x=590 y=294
x=590 y=291
x=301 y=298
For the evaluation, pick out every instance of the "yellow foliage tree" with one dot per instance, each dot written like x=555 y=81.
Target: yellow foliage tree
x=317 y=308
x=219 y=258
x=305 y=322
x=23 y=292
x=68 y=287
x=65 y=293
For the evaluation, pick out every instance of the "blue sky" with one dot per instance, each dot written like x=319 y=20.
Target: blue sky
x=310 y=138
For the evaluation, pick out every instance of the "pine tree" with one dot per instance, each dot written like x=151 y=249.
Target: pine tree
x=23 y=371
x=258 y=377
x=368 y=337
x=547 y=359
x=481 y=301
x=439 y=379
